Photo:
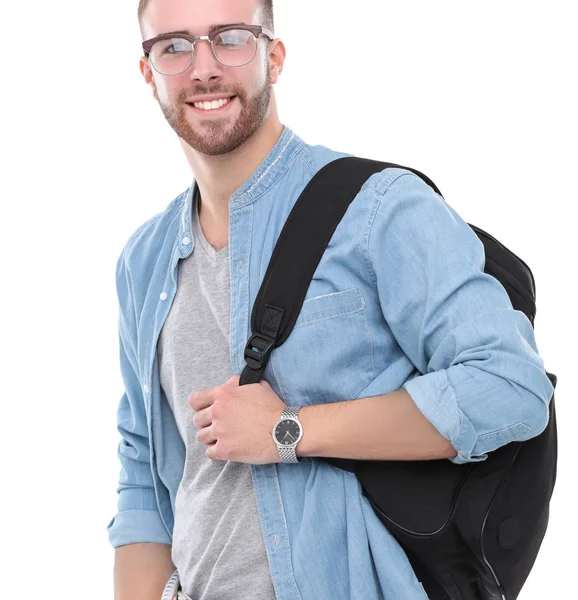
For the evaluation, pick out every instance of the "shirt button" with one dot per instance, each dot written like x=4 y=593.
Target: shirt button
x=146 y=388
x=186 y=241
x=164 y=296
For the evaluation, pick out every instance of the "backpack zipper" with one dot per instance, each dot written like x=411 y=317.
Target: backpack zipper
x=485 y=558
x=450 y=513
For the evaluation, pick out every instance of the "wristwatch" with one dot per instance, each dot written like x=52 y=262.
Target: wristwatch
x=287 y=432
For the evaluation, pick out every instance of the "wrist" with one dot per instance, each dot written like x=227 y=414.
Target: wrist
x=306 y=446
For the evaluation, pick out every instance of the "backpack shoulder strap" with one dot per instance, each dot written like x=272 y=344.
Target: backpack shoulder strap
x=298 y=251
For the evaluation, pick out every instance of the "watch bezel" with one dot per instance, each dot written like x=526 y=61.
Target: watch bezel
x=294 y=444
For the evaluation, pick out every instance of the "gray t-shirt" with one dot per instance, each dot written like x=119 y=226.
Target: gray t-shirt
x=218 y=547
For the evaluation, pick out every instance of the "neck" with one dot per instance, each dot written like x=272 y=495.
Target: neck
x=218 y=177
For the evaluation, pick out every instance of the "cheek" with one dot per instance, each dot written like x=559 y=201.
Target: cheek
x=261 y=71
x=168 y=89
x=254 y=76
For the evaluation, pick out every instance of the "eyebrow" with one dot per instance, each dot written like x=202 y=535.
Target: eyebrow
x=211 y=29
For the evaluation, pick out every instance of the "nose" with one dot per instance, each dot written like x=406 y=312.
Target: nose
x=205 y=66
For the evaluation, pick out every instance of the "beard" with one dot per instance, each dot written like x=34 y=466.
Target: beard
x=217 y=137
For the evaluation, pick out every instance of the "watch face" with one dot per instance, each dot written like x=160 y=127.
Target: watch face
x=287 y=432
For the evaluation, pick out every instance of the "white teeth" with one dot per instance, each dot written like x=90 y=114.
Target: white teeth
x=212 y=105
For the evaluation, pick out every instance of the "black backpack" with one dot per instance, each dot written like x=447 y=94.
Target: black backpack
x=472 y=531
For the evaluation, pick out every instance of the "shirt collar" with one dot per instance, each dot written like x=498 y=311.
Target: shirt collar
x=271 y=169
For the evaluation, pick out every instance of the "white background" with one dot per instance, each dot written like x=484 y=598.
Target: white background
x=479 y=96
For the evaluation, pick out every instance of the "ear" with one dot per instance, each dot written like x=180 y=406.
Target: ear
x=147 y=73
x=277 y=54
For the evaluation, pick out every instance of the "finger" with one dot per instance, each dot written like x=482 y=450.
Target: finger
x=203 y=418
x=211 y=452
x=206 y=436
x=199 y=400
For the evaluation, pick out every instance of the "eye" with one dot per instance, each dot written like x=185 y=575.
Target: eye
x=233 y=38
x=174 y=46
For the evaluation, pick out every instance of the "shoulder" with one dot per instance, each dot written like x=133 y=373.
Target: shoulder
x=315 y=157
x=398 y=180
x=397 y=193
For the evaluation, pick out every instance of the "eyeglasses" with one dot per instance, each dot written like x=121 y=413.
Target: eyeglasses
x=232 y=45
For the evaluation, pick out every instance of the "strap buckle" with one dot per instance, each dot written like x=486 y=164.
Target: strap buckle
x=263 y=343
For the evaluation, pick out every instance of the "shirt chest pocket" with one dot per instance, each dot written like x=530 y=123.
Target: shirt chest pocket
x=328 y=354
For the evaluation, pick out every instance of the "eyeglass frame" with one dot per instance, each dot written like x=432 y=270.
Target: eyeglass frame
x=256 y=30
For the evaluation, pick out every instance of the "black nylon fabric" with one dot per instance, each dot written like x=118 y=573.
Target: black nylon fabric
x=251 y=376
x=259 y=347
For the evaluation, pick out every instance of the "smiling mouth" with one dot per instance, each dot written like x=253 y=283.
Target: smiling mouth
x=215 y=106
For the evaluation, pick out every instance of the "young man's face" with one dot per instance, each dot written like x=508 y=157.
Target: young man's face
x=251 y=84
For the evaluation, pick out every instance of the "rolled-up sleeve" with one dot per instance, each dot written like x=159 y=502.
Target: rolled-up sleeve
x=137 y=519
x=481 y=381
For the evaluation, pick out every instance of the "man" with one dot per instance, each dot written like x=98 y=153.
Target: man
x=207 y=506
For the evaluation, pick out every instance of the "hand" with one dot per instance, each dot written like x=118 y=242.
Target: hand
x=235 y=421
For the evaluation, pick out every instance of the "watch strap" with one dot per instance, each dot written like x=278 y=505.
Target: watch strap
x=290 y=411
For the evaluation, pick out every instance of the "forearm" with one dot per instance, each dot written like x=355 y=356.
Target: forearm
x=386 y=427
x=141 y=571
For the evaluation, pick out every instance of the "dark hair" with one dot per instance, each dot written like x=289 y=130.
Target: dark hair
x=266 y=7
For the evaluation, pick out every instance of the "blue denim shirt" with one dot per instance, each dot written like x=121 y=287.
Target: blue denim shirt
x=399 y=299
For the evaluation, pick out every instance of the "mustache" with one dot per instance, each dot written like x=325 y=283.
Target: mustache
x=185 y=94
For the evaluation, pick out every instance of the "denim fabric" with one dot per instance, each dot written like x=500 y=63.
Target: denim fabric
x=399 y=299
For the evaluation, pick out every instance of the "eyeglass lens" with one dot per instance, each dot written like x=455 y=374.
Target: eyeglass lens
x=233 y=48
